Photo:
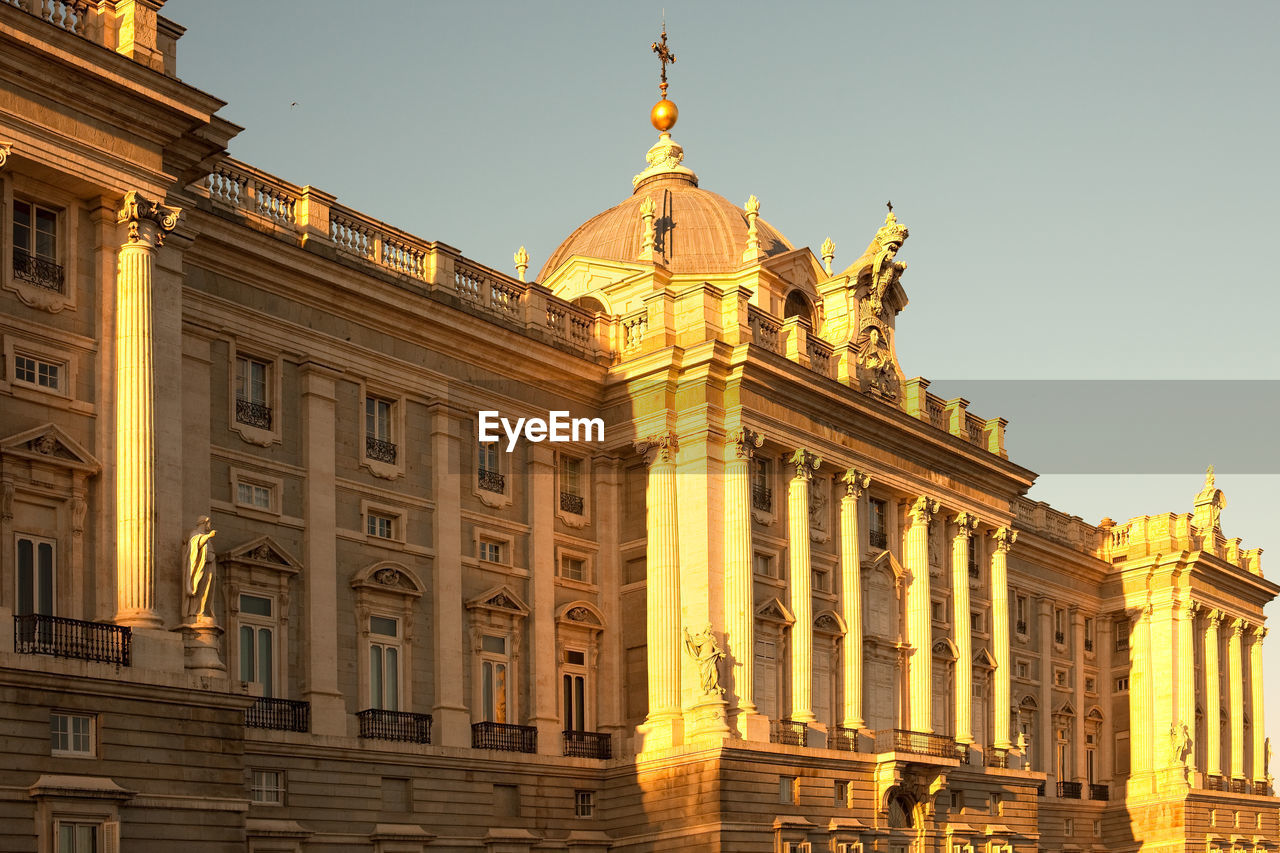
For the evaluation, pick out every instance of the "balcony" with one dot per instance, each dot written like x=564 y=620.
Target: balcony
x=41 y=272
x=379 y=450
x=37 y=634
x=1070 y=790
x=253 y=414
x=1122 y=644
x=571 y=503
x=1099 y=792
x=997 y=758
x=491 y=481
x=789 y=733
x=974 y=574
x=504 y=737
x=1088 y=644
x=878 y=538
x=842 y=739
x=1021 y=627
x=921 y=743
x=376 y=724
x=762 y=497
x=282 y=715
x=1059 y=638
x=588 y=744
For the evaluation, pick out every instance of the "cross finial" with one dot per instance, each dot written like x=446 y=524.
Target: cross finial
x=889 y=204
x=665 y=56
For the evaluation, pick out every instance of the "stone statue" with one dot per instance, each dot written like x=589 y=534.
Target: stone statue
x=198 y=559
x=703 y=649
x=876 y=362
x=1210 y=502
x=1179 y=745
x=885 y=270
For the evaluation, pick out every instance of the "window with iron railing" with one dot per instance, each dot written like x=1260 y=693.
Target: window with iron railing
x=252 y=390
x=877 y=534
x=379 y=444
x=488 y=477
x=761 y=488
x=35 y=247
x=571 y=497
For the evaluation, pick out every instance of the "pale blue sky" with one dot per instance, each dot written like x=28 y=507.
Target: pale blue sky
x=1091 y=186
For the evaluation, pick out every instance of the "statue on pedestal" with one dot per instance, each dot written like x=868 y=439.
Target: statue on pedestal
x=703 y=649
x=199 y=563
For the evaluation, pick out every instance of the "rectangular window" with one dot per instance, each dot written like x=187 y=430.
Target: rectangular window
x=787 y=790
x=764 y=565
x=1122 y=635
x=879 y=533
x=974 y=559
x=584 y=803
x=1122 y=684
x=573 y=568
x=821 y=580
x=35 y=246
x=488 y=476
x=379 y=440
x=840 y=794
x=574 y=685
x=257 y=641
x=268 y=787
x=495 y=687
x=35 y=575
x=38 y=372
x=571 y=499
x=1088 y=633
x=382 y=526
x=1021 y=610
x=1059 y=625
x=490 y=551
x=71 y=734
x=77 y=837
x=384 y=663
x=1022 y=669
x=253 y=402
x=254 y=495
x=761 y=484
x=975 y=622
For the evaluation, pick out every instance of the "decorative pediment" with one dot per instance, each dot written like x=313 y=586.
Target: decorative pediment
x=390 y=577
x=581 y=614
x=500 y=598
x=886 y=561
x=1028 y=703
x=51 y=445
x=1094 y=715
x=1067 y=710
x=829 y=622
x=774 y=610
x=984 y=660
x=946 y=649
x=264 y=552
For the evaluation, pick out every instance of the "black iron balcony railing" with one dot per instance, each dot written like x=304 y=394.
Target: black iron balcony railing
x=379 y=450
x=789 y=732
x=1088 y=644
x=973 y=572
x=253 y=414
x=762 y=497
x=504 y=736
x=1099 y=792
x=1059 y=637
x=41 y=272
x=377 y=724
x=878 y=538
x=1215 y=783
x=282 y=715
x=921 y=743
x=37 y=634
x=1040 y=790
x=843 y=739
x=588 y=744
x=1021 y=626
x=997 y=758
x=491 y=481
x=570 y=502
x=1122 y=644
x=1070 y=790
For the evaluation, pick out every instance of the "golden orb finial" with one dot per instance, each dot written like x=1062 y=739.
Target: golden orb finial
x=664 y=113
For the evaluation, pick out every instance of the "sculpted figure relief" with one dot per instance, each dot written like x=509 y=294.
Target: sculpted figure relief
x=876 y=365
x=198 y=560
x=702 y=647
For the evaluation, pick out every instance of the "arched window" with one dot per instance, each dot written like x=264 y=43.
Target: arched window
x=900 y=811
x=797 y=305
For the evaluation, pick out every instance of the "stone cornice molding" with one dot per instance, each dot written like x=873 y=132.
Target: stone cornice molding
x=148 y=220
x=658 y=449
x=745 y=441
x=855 y=483
x=805 y=463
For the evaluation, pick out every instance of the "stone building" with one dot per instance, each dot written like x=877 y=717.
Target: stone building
x=788 y=601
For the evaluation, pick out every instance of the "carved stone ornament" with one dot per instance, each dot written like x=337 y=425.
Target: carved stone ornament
x=48 y=445
x=580 y=614
x=805 y=463
x=966 y=523
x=148 y=221
x=855 y=483
x=826 y=623
x=877 y=366
x=745 y=441
x=658 y=448
x=502 y=600
x=1004 y=538
x=924 y=509
x=387 y=577
x=5 y=148
x=707 y=654
x=664 y=158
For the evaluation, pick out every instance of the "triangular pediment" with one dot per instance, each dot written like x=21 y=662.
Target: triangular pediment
x=984 y=659
x=264 y=551
x=886 y=560
x=499 y=598
x=774 y=610
x=52 y=445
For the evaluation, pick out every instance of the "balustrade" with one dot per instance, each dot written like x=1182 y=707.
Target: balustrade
x=38 y=634
x=285 y=715
x=377 y=724
x=505 y=737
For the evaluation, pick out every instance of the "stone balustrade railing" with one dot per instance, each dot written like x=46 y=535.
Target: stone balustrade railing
x=1070 y=530
x=130 y=29
x=1170 y=532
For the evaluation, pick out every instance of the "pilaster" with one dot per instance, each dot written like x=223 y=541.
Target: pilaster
x=542 y=676
x=1258 y=762
x=1235 y=705
x=451 y=718
x=1185 y=671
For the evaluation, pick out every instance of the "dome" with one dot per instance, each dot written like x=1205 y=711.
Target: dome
x=696 y=230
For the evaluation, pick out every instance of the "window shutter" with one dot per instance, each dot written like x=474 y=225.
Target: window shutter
x=111 y=836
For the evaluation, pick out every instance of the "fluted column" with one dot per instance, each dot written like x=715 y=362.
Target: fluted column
x=147 y=223
x=1141 y=736
x=1185 y=671
x=855 y=483
x=1235 y=704
x=1212 y=698
x=1002 y=540
x=739 y=604
x=1256 y=706
x=805 y=464
x=919 y=630
x=662 y=587
x=965 y=524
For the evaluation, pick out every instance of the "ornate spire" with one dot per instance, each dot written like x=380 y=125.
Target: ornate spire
x=646 y=217
x=828 y=254
x=752 y=252
x=665 y=156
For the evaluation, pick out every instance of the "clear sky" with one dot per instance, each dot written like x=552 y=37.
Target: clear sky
x=1091 y=186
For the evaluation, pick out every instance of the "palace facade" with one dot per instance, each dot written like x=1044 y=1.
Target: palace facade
x=791 y=602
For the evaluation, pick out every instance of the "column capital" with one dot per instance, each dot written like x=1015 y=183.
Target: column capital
x=5 y=148
x=658 y=448
x=148 y=220
x=806 y=463
x=1259 y=633
x=923 y=509
x=855 y=483
x=745 y=441
x=966 y=522
x=1212 y=617
x=1004 y=538
x=1237 y=626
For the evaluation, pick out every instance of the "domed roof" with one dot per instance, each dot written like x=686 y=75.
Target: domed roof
x=695 y=230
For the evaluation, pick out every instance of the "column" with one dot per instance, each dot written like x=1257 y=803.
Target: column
x=542 y=565
x=919 y=623
x=1047 y=754
x=800 y=585
x=739 y=595
x=1212 y=699
x=662 y=590
x=1002 y=541
x=320 y=580
x=1106 y=747
x=1185 y=670
x=450 y=714
x=1235 y=704
x=1256 y=706
x=965 y=524
x=147 y=223
x=607 y=482
x=1140 y=675
x=1079 y=725
x=855 y=483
